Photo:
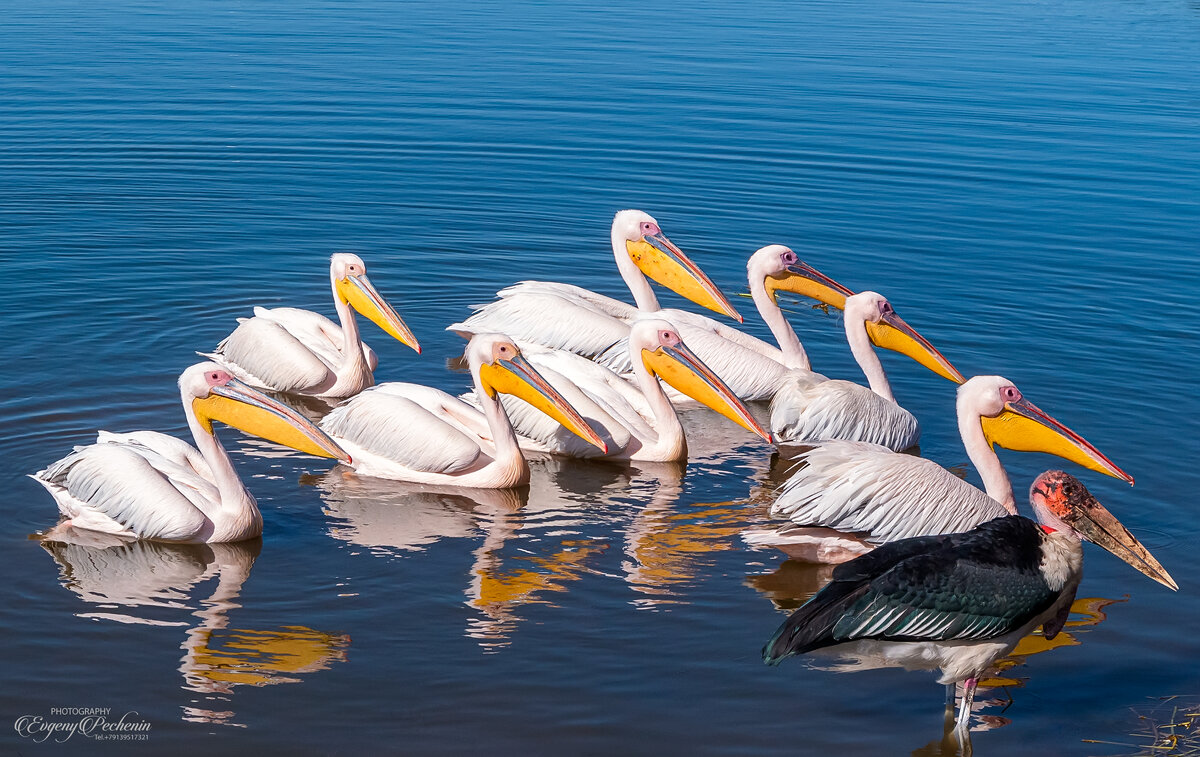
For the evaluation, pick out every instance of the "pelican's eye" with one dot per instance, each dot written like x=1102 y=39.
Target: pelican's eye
x=649 y=229
x=217 y=378
x=1010 y=394
x=885 y=307
x=789 y=258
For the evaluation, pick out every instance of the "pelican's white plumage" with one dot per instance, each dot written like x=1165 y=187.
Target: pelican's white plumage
x=152 y=486
x=637 y=422
x=422 y=442
x=302 y=352
x=156 y=497
x=869 y=495
x=857 y=487
x=415 y=433
x=807 y=406
x=567 y=317
x=807 y=410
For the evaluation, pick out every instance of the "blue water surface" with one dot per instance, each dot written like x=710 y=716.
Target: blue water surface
x=1021 y=178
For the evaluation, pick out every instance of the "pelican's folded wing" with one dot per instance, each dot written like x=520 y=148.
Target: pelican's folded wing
x=321 y=335
x=549 y=319
x=804 y=410
x=398 y=429
x=120 y=489
x=868 y=489
x=263 y=352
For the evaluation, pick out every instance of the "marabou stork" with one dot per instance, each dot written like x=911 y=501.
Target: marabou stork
x=960 y=601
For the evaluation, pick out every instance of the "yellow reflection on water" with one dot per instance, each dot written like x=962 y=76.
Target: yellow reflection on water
x=147 y=583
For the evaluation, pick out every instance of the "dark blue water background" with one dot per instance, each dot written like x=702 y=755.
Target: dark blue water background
x=1020 y=177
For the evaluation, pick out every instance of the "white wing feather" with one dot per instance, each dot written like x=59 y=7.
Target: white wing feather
x=462 y=416
x=562 y=316
x=551 y=316
x=868 y=489
x=593 y=300
x=395 y=427
x=316 y=332
x=286 y=349
x=263 y=353
x=808 y=410
x=750 y=374
x=169 y=447
x=124 y=486
x=692 y=323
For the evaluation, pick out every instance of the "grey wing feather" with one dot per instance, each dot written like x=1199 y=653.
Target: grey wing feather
x=923 y=598
x=808 y=410
x=399 y=429
x=868 y=489
x=271 y=356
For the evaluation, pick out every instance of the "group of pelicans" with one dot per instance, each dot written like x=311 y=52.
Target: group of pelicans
x=935 y=573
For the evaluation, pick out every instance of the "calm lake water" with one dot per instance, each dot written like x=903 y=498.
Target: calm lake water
x=1020 y=177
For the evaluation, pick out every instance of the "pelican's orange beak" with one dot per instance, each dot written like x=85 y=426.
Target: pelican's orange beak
x=661 y=260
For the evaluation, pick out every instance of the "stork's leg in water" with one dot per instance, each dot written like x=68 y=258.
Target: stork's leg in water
x=964 y=709
x=951 y=700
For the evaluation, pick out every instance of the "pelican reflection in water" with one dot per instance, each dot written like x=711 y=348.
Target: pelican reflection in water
x=154 y=584
x=391 y=518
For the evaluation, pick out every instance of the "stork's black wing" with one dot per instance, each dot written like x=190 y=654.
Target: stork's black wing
x=975 y=585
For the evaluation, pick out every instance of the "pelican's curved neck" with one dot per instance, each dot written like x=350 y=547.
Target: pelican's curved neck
x=643 y=295
x=354 y=358
x=864 y=355
x=508 y=451
x=233 y=492
x=985 y=460
x=794 y=355
x=667 y=428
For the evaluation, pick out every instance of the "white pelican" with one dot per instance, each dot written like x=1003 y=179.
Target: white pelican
x=848 y=497
x=302 y=352
x=806 y=406
x=562 y=316
x=149 y=485
x=637 y=422
x=960 y=601
x=755 y=369
x=416 y=433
